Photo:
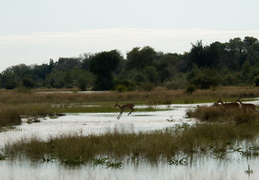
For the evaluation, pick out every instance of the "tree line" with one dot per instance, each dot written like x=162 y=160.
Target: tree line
x=231 y=63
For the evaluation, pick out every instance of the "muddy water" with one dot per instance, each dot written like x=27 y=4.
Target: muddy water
x=232 y=167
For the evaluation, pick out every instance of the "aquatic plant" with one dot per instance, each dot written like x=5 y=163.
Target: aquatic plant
x=249 y=170
x=182 y=161
x=73 y=162
x=100 y=161
x=114 y=165
x=2 y=156
x=48 y=158
x=107 y=163
x=254 y=148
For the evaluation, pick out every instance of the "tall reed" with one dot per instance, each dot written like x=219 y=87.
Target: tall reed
x=9 y=116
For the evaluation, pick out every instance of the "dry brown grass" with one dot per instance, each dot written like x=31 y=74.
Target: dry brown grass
x=159 y=96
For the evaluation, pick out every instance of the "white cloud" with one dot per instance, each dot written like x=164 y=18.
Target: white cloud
x=38 y=48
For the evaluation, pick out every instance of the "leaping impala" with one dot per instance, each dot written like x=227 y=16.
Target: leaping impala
x=248 y=106
x=231 y=105
x=126 y=106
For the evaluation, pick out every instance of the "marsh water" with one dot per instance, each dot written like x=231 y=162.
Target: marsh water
x=234 y=166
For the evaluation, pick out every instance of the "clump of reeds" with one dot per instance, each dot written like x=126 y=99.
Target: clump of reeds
x=206 y=113
x=220 y=114
x=9 y=116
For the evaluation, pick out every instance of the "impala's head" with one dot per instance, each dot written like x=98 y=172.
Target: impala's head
x=116 y=105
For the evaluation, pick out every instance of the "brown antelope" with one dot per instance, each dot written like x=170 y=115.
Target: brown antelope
x=248 y=106
x=232 y=105
x=126 y=106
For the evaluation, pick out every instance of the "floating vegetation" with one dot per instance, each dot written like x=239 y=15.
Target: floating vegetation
x=100 y=161
x=32 y=120
x=107 y=163
x=114 y=165
x=249 y=170
x=2 y=156
x=48 y=159
x=73 y=162
x=182 y=161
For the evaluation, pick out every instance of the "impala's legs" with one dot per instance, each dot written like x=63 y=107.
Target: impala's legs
x=120 y=115
x=131 y=111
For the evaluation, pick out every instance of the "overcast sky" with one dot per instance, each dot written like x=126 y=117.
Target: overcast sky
x=35 y=31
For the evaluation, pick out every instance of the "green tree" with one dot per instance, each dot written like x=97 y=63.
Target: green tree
x=197 y=55
x=28 y=82
x=103 y=65
x=139 y=58
x=151 y=74
x=82 y=84
x=8 y=79
x=56 y=79
x=204 y=56
x=204 y=78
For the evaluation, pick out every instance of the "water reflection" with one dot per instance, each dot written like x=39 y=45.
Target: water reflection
x=200 y=168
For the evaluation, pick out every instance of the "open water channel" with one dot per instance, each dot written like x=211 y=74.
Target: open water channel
x=204 y=167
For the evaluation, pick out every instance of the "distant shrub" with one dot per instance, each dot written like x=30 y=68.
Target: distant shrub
x=23 y=89
x=147 y=86
x=257 y=81
x=190 y=89
x=121 y=88
x=123 y=85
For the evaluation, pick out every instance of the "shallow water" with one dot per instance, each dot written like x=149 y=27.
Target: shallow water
x=88 y=123
x=203 y=167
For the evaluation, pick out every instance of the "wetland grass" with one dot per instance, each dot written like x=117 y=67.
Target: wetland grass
x=214 y=138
